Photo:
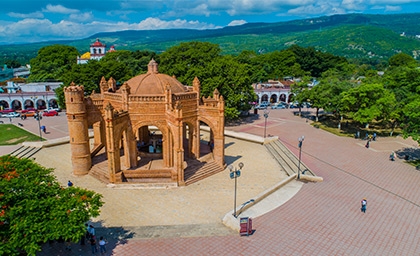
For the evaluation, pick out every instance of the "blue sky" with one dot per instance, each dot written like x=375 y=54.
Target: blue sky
x=24 y=21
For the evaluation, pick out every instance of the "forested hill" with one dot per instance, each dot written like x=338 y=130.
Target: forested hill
x=360 y=36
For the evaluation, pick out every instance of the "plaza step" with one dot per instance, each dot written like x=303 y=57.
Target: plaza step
x=100 y=173
x=148 y=176
x=287 y=160
x=200 y=171
x=25 y=152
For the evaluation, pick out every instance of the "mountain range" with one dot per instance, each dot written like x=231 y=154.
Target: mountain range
x=354 y=36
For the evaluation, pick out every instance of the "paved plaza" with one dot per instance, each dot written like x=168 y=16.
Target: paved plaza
x=321 y=218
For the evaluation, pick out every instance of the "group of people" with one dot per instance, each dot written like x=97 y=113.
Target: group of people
x=90 y=237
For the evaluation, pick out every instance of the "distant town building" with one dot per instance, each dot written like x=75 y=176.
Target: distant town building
x=8 y=73
x=19 y=96
x=97 y=52
x=273 y=91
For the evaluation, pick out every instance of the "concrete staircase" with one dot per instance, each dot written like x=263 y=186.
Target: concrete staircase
x=25 y=152
x=287 y=160
x=200 y=170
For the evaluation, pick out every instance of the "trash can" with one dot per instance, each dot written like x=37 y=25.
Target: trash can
x=245 y=226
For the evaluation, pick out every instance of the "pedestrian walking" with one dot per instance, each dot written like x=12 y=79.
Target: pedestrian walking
x=367 y=144
x=92 y=241
x=70 y=184
x=363 y=203
x=102 y=244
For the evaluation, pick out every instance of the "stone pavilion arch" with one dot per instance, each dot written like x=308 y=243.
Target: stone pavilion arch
x=154 y=108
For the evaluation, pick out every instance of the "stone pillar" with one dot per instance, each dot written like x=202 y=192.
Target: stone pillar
x=113 y=150
x=78 y=129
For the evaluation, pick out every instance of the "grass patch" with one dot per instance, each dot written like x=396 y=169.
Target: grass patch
x=12 y=135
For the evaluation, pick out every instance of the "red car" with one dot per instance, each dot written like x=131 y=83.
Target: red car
x=7 y=110
x=50 y=113
x=28 y=110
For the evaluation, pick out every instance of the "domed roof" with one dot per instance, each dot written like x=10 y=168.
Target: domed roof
x=97 y=44
x=153 y=83
x=86 y=55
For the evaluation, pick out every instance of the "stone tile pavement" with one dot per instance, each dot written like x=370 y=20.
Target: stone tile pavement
x=321 y=219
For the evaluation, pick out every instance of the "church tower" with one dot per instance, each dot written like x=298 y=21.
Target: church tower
x=97 y=50
x=78 y=129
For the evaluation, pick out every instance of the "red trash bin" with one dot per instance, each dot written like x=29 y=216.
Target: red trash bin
x=245 y=226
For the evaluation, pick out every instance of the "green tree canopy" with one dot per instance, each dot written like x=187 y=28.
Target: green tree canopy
x=224 y=73
x=188 y=60
x=36 y=209
x=402 y=59
x=52 y=62
x=368 y=102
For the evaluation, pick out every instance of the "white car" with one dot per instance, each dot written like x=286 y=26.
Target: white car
x=11 y=115
x=56 y=109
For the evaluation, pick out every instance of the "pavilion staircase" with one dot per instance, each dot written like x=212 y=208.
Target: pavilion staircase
x=100 y=173
x=200 y=170
x=25 y=152
x=287 y=160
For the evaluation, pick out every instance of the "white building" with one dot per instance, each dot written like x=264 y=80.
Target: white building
x=97 y=52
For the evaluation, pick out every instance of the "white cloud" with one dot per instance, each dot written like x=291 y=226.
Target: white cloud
x=236 y=22
x=155 y=23
x=319 y=10
x=392 y=8
x=35 y=15
x=81 y=16
x=354 y=4
x=59 y=9
x=240 y=7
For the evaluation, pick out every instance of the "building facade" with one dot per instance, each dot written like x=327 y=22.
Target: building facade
x=273 y=91
x=19 y=96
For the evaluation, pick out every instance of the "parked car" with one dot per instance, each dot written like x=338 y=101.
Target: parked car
x=24 y=115
x=55 y=109
x=280 y=105
x=263 y=105
x=28 y=110
x=7 y=110
x=11 y=115
x=50 y=113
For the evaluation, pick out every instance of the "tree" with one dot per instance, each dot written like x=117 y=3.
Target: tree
x=12 y=63
x=52 y=62
x=368 y=102
x=315 y=62
x=188 y=60
x=411 y=124
x=402 y=59
x=224 y=73
x=232 y=80
x=36 y=209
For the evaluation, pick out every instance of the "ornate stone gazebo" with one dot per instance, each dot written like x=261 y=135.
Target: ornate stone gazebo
x=147 y=129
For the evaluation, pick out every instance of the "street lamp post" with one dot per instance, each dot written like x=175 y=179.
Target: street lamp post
x=38 y=117
x=234 y=175
x=266 y=112
x=300 y=153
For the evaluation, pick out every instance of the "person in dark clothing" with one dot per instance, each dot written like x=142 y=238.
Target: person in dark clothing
x=364 y=204
x=92 y=241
